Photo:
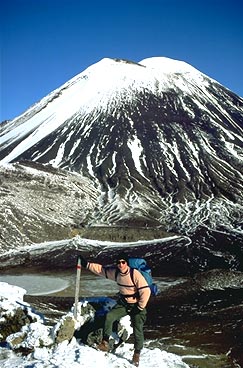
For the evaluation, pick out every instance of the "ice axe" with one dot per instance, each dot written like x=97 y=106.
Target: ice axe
x=75 y=312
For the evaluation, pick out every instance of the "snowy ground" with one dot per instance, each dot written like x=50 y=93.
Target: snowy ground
x=71 y=354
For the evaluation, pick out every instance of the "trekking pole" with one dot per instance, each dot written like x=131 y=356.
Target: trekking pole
x=75 y=312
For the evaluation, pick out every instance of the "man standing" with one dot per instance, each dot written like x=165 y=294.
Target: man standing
x=134 y=294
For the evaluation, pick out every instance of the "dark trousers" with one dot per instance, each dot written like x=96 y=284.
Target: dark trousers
x=138 y=319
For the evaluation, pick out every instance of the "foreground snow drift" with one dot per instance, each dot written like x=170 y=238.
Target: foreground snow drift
x=73 y=355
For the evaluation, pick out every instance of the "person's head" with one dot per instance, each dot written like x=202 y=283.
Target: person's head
x=122 y=261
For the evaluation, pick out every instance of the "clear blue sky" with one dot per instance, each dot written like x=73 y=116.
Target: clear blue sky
x=44 y=43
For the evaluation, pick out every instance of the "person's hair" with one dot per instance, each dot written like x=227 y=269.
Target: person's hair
x=123 y=256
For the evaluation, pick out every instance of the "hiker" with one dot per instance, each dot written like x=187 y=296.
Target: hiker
x=133 y=298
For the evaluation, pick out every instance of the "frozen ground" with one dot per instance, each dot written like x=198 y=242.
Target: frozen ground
x=69 y=354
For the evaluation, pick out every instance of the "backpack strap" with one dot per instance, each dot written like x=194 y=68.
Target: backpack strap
x=132 y=275
x=132 y=278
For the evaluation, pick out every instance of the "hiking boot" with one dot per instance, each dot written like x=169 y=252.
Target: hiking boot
x=103 y=346
x=135 y=359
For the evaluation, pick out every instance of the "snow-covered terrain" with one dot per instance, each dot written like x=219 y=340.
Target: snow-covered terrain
x=40 y=203
x=66 y=354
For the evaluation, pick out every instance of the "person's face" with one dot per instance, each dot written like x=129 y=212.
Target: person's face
x=122 y=265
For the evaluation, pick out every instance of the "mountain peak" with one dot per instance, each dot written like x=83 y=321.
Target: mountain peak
x=167 y=65
x=158 y=63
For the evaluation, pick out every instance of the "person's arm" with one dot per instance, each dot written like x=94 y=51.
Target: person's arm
x=98 y=269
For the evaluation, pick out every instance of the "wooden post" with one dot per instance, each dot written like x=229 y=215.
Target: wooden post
x=75 y=312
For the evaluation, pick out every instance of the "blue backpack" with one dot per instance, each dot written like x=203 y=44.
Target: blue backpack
x=141 y=265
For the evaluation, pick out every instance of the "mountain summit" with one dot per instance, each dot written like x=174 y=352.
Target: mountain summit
x=161 y=142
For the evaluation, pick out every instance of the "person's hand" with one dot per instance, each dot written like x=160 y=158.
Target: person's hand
x=82 y=260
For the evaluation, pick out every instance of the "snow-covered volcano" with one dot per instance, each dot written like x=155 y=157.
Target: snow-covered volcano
x=161 y=141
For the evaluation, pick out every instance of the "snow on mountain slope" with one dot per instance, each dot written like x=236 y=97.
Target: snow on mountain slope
x=160 y=140
x=102 y=86
x=39 y=203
